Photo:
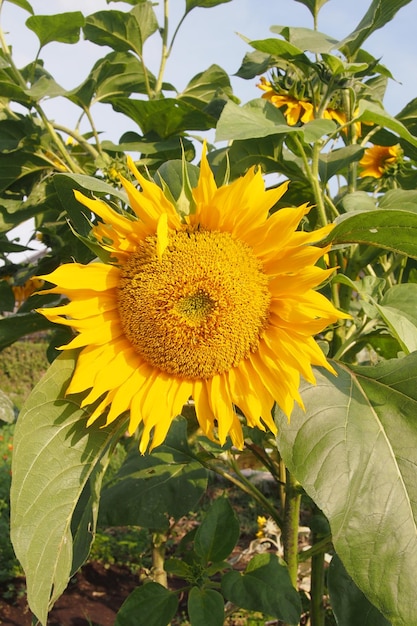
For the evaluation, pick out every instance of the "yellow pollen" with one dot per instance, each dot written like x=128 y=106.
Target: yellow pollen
x=200 y=309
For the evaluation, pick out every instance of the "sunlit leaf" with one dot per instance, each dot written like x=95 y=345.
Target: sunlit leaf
x=54 y=456
x=378 y=14
x=399 y=199
x=313 y=5
x=122 y=31
x=354 y=450
x=23 y=4
x=257 y=118
x=203 y=87
x=388 y=229
x=63 y=27
x=205 y=4
x=375 y=114
x=306 y=38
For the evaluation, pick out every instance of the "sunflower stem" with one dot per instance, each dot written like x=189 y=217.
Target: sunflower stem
x=317 y=588
x=159 y=542
x=291 y=525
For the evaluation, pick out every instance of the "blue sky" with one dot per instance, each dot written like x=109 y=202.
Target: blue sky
x=210 y=36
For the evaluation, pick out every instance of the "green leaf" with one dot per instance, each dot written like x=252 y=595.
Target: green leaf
x=281 y=49
x=165 y=117
x=16 y=326
x=23 y=4
x=205 y=607
x=22 y=164
x=178 y=178
x=218 y=533
x=358 y=201
x=333 y=162
x=7 y=298
x=379 y=13
x=150 y=604
x=122 y=31
x=64 y=27
x=254 y=64
x=6 y=408
x=257 y=118
x=149 y=489
x=314 y=130
x=313 y=6
x=203 y=87
x=306 y=38
x=354 y=451
x=54 y=456
x=391 y=230
x=349 y=605
x=398 y=308
x=264 y=586
x=374 y=114
x=204 y=4
x=402 y=199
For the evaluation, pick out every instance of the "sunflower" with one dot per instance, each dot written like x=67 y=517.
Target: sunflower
x=217 y=306
x=379 y=161
x=295 y=110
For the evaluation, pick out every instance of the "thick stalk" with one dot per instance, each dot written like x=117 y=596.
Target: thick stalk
x=317 y=589
x=159 y=575
x=291 y=525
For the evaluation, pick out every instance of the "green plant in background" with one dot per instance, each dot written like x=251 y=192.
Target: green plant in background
x=318 y=121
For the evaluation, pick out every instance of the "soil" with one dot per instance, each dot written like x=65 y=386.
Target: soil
x=92 y=598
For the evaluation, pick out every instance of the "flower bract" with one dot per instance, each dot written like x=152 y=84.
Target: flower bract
x=217 y=307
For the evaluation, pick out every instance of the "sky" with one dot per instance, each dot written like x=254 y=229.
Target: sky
x=209 y=36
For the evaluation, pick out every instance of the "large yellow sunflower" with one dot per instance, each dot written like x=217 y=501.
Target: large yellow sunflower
x=217 y=307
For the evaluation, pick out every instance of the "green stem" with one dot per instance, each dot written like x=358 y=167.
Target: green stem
x=291 y=524
x=312 y=173
x=317 y=589
x=165 y=50
x=159 y=543
x=79 y=139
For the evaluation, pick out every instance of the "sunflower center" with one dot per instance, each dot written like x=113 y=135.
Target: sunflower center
x=198 y=311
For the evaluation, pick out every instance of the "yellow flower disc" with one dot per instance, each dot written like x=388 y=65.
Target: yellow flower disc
x=200 y=310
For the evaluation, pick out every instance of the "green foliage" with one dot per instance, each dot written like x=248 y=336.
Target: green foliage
x=9 y=566
x=352 y=451
x=354 y=442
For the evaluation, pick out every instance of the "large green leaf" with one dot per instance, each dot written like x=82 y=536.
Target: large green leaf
x=257 y=118
x=388 y=229
x=203 y=87
x=54 y=457
x=122 y=31
x=331 y=163
x=264 y=586
x=149 y=489
x=63 y=27
x=398 y=308
x=354 y=451
x=349 y=605
x=378 y=14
